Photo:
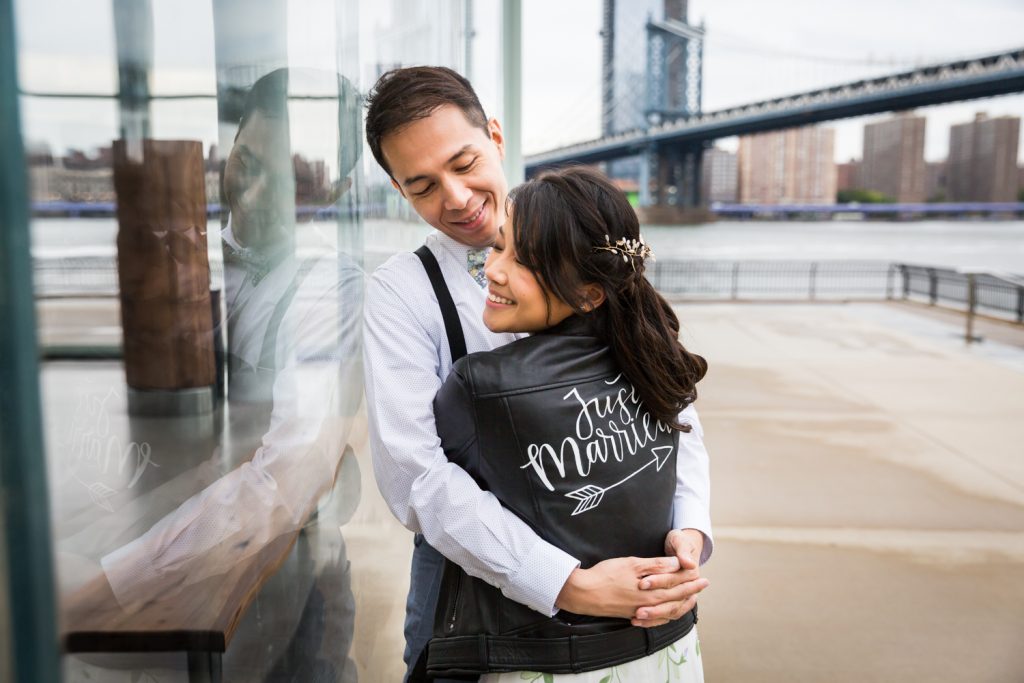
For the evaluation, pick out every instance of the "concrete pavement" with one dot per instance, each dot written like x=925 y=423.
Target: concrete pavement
x=868 y=497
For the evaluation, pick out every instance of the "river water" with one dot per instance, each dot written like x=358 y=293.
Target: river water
x=980 y=245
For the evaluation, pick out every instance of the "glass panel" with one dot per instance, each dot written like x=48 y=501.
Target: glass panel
x=200 y=191
x=5 y=615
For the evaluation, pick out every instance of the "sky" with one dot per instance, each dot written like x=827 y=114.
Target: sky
x=756 y=50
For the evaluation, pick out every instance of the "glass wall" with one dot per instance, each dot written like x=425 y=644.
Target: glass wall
x=203 y=213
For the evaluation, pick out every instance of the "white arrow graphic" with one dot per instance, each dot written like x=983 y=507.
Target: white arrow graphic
x=590 y=496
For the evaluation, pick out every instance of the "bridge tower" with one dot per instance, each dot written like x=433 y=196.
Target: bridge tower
x=658 y=35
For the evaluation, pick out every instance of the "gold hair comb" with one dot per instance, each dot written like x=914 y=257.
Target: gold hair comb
x=628 y=249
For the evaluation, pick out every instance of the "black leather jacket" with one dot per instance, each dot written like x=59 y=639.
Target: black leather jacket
x=551 y=426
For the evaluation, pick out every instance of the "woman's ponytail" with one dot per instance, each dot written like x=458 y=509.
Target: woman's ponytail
x=643 y=332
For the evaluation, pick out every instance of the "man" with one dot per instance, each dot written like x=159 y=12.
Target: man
x=426 y=128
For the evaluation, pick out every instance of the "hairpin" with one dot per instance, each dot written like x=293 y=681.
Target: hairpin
x=628 y=248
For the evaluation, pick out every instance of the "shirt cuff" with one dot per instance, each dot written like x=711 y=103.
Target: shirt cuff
x=541 y=577
x=695 y=516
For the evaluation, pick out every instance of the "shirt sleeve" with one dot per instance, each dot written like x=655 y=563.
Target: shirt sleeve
x=692 y=502
x=427 y=493
x=273 y=494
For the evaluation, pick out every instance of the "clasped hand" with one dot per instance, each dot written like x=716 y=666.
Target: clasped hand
x=649 y=591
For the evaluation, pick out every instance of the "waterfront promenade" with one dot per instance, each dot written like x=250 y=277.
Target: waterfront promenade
x=868 y=497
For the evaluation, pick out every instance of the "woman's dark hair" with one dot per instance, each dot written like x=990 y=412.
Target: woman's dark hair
x=560 y=221
x=409 y=94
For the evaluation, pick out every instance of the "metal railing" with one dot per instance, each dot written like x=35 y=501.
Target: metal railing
x=84 y=276
x=995 y=295
x=779 y=280
x=1000 y=296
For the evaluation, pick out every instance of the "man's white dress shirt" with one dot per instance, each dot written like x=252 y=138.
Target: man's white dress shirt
x=406 y=359
x=315 y=388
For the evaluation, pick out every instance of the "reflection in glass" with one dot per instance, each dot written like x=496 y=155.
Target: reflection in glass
x=182 y=521
x=199 y=198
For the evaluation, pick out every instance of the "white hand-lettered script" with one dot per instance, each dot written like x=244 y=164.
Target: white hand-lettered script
x=613 y=426
x=96 y=450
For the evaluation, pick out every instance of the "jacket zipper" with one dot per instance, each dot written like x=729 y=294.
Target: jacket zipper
x=455 y=602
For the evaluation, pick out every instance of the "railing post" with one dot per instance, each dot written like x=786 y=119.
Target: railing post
x=972 y=299
x=889 y=281
x=1020 y=304
x=812 y=279
x=933 y=287
x=735 y=280
x=906 y=281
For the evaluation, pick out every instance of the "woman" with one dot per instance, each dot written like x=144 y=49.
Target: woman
x=575 y=429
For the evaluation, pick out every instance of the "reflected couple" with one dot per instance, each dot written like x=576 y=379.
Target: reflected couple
x=261 y=514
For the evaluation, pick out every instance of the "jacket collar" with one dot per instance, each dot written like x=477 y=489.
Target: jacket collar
x=578 y=325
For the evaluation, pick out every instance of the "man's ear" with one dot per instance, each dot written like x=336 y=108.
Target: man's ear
x=497 y=137
x=593 y=296
x=394 y=184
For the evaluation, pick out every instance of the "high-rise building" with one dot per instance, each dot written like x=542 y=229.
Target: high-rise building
x=893 y=162
x=719 y=176
x=983 y=160
x=848 y=176
x=935 y=181
x=794 y=166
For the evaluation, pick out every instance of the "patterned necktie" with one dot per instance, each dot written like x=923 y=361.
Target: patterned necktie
x=475 y=259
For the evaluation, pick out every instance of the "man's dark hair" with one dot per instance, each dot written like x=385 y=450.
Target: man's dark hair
x=402 y=96
x=269 y=96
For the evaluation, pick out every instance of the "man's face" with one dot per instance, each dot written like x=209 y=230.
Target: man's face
x=450 y=171
x=259 y=184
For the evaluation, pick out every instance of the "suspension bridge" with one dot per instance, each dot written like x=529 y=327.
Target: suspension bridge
x=670 y=131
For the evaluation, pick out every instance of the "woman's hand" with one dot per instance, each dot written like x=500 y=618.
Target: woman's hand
x=625 y=587
x=678 y=589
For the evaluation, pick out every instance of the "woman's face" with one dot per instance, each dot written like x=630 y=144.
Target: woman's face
x=515 y=299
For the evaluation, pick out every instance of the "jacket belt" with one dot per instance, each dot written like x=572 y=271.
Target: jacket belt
x=476 y=654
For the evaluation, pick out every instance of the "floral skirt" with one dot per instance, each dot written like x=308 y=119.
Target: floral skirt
x=679 y=662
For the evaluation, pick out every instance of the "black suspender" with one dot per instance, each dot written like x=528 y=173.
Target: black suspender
x=457 y=344
x=452 y=325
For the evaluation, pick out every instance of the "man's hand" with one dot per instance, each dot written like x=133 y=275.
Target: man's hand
x=679 y=590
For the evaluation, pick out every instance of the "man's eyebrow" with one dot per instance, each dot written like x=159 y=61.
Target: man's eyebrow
x=417 y=178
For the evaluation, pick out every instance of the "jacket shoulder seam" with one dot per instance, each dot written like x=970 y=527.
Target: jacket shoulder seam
x=544 y=387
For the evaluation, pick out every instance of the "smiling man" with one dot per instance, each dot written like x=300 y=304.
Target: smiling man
x=427 y=129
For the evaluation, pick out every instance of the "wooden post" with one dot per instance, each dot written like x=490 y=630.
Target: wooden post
x=163 y=269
